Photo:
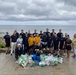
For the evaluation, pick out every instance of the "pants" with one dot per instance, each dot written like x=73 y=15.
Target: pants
x=13 y=47
x=75 y=50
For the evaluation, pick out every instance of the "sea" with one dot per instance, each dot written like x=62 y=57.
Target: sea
x=69 y=29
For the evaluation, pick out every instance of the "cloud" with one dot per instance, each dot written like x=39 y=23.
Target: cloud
x=21 y=10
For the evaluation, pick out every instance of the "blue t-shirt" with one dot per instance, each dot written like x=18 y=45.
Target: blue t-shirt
x=19 y=40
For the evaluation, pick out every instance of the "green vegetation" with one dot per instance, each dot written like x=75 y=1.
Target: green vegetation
x=2 y=45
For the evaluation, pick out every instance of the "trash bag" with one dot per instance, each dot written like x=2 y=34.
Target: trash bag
x=43 y=57
x=42 y=63
x=34 y=57
x=23 y=60
x=60 y=60
x=30 y=59
x=50 y=60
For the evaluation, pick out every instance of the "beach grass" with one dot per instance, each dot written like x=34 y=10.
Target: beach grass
x=2 y=45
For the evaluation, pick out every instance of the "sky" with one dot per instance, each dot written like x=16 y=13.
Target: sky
x=37 y=12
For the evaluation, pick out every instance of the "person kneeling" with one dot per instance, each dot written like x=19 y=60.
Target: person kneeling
x=18 y=51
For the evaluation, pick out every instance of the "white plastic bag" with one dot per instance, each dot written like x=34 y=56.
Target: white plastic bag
x=30 y=59
x=43 y=57
x=52 y=60
x=60 y=60
x=42 y=63
x=23 y=60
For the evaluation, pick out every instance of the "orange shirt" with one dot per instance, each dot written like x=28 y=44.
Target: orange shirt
x=37 y=40
x=31 y=41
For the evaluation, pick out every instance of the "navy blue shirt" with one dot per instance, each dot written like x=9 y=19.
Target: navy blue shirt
x=56 y=41
x=62 y=40
x=14 y=38
x=50 y=39
x=44 y=38
x=7 y=39
x=59 y=35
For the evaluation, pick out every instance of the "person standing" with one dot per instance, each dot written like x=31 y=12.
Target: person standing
x=68 y=46
x=74 y=45
x=19 y=40
x=31 y=43
x=44 y=40
x=41 y=34
x=53 y=32
x=62 y=45
x=37 y=42
x=13 y=40
x=59 y=34
x=7 y=42
x=26 y=43
x=47 y=32
x=23 y=36
x=56 y=43
x=50 y=43
x=35 y=32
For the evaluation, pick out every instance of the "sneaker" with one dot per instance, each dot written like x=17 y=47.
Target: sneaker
x=13 y=51
x=73 y=56
x=11 y=54
x=58 y=56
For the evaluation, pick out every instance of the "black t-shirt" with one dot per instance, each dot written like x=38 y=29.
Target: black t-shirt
x=17 y=35
x=49 y=39
x=41 y=35
x=59 y=35
x=56 y=41
x=62 y=40
x=28 y=35
x=14 y=38
x=25 y=41
x=53 y=33
x=47 y=33
x=7 y=39
x=23 y=35
x=35 y=33
x=44 y=38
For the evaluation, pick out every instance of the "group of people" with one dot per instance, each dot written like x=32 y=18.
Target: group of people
x=54 y=43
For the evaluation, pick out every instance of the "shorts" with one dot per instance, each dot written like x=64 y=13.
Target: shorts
x=61 y=47
x=7 y=45
x=56 y=48
x=38 y=47
x=49 y=46
x=31 y=47
x=68 y=47
x=44 y=46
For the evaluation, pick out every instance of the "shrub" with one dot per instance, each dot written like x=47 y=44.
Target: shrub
x=2 y=45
